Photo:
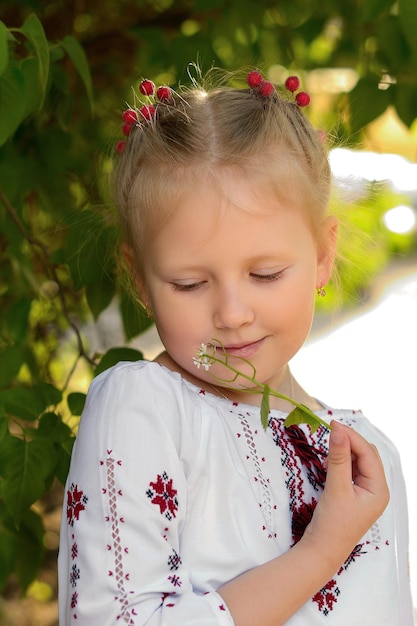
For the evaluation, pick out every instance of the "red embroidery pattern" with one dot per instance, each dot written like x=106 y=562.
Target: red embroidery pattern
x=115 y=520
x=327 y=597
x=175 y=581
x=166 y=595
x=163 y=494
x=301 y=518
x=74 y=600
x=76 y=503
x=302 y=455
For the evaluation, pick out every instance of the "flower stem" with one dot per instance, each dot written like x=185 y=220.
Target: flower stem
x=300 y=414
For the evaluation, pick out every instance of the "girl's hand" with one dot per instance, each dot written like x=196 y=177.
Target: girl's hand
x=355 y=495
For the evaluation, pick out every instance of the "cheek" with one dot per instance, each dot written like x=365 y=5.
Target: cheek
x=297 y=295
x=295 y=307
x=178 y=327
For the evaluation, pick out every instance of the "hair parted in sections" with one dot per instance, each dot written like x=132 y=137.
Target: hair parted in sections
x=204 y=132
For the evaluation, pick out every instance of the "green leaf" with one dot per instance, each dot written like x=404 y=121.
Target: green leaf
x=302 y=415
x=407 y=15
x=12 y=360
x=33 y=30
x=64 y=459
x=16 y=318
x=265 y=407
x=391 y=43
x=27 y=403
x=76 y=402
x=12 y=100
x=99 y=294
x=8 y=555
x=29 y=465
x=19 y=173
x=33 y=92
x=31 y=548
x=367 y=102
x=23 y=83
x=21 y=402
x=4 y=47
x=133 y=317
x=52 y=427
x=115 y=355
x=405 y=100
x=87 y=249
x=79 y=59
x=21 y=550
x=50 y=395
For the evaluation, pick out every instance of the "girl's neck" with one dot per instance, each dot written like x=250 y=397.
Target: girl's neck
x=289 y=387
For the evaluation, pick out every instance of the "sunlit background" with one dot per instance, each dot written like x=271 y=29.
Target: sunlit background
x=368 y=361
x=368 y=358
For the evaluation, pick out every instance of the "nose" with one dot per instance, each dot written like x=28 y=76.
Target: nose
x=233 y=309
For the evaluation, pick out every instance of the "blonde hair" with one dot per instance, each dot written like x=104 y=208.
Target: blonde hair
x=204 y=132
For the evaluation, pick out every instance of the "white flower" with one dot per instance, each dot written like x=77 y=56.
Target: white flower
x=203 y=359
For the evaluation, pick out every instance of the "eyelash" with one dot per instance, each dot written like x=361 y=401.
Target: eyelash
x=267 y=277
x=185 y=287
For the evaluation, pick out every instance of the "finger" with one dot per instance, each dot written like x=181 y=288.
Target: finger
x=350 y=454
x=366 y=468
x=339 y=460
x=362 y=450
x=339 y=447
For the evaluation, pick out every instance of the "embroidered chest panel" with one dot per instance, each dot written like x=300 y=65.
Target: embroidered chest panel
x=301 y=455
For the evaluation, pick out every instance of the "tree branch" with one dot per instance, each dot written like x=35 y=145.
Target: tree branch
x=51 y=270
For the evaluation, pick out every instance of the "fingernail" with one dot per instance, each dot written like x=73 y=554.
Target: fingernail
x=337 y=435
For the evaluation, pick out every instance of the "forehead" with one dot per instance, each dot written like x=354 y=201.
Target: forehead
x=252 y=189
x=234 y=218
x=275 y=179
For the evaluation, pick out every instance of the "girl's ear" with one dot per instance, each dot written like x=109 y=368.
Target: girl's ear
x=128 y=255
x=327 y=250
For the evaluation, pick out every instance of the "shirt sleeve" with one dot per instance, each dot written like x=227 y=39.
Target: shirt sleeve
x=125 y=505
x=399 y=575
x=398 y=497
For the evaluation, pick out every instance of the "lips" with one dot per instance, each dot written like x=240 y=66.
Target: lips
x=245 y=350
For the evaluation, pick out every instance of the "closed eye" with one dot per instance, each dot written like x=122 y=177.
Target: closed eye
x=267 y=277
x=187 y=286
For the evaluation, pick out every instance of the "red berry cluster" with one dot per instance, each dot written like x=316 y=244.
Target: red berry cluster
x=265 y=88
x=146 y=112
x=256 y=82
x=302 y=98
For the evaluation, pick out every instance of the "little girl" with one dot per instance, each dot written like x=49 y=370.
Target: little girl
x=181 y=508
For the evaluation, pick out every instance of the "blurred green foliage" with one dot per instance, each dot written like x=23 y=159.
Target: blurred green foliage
x=65 y=71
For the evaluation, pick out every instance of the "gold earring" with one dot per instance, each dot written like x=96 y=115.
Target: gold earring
x=321 y=292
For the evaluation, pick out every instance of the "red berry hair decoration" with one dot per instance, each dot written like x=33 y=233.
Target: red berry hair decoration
x=266 y=89
x=259 y=85
x=302 y=98
x=147 y=87
x=136 y=116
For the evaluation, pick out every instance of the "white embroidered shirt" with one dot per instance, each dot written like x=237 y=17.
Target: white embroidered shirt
x=173 y=491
